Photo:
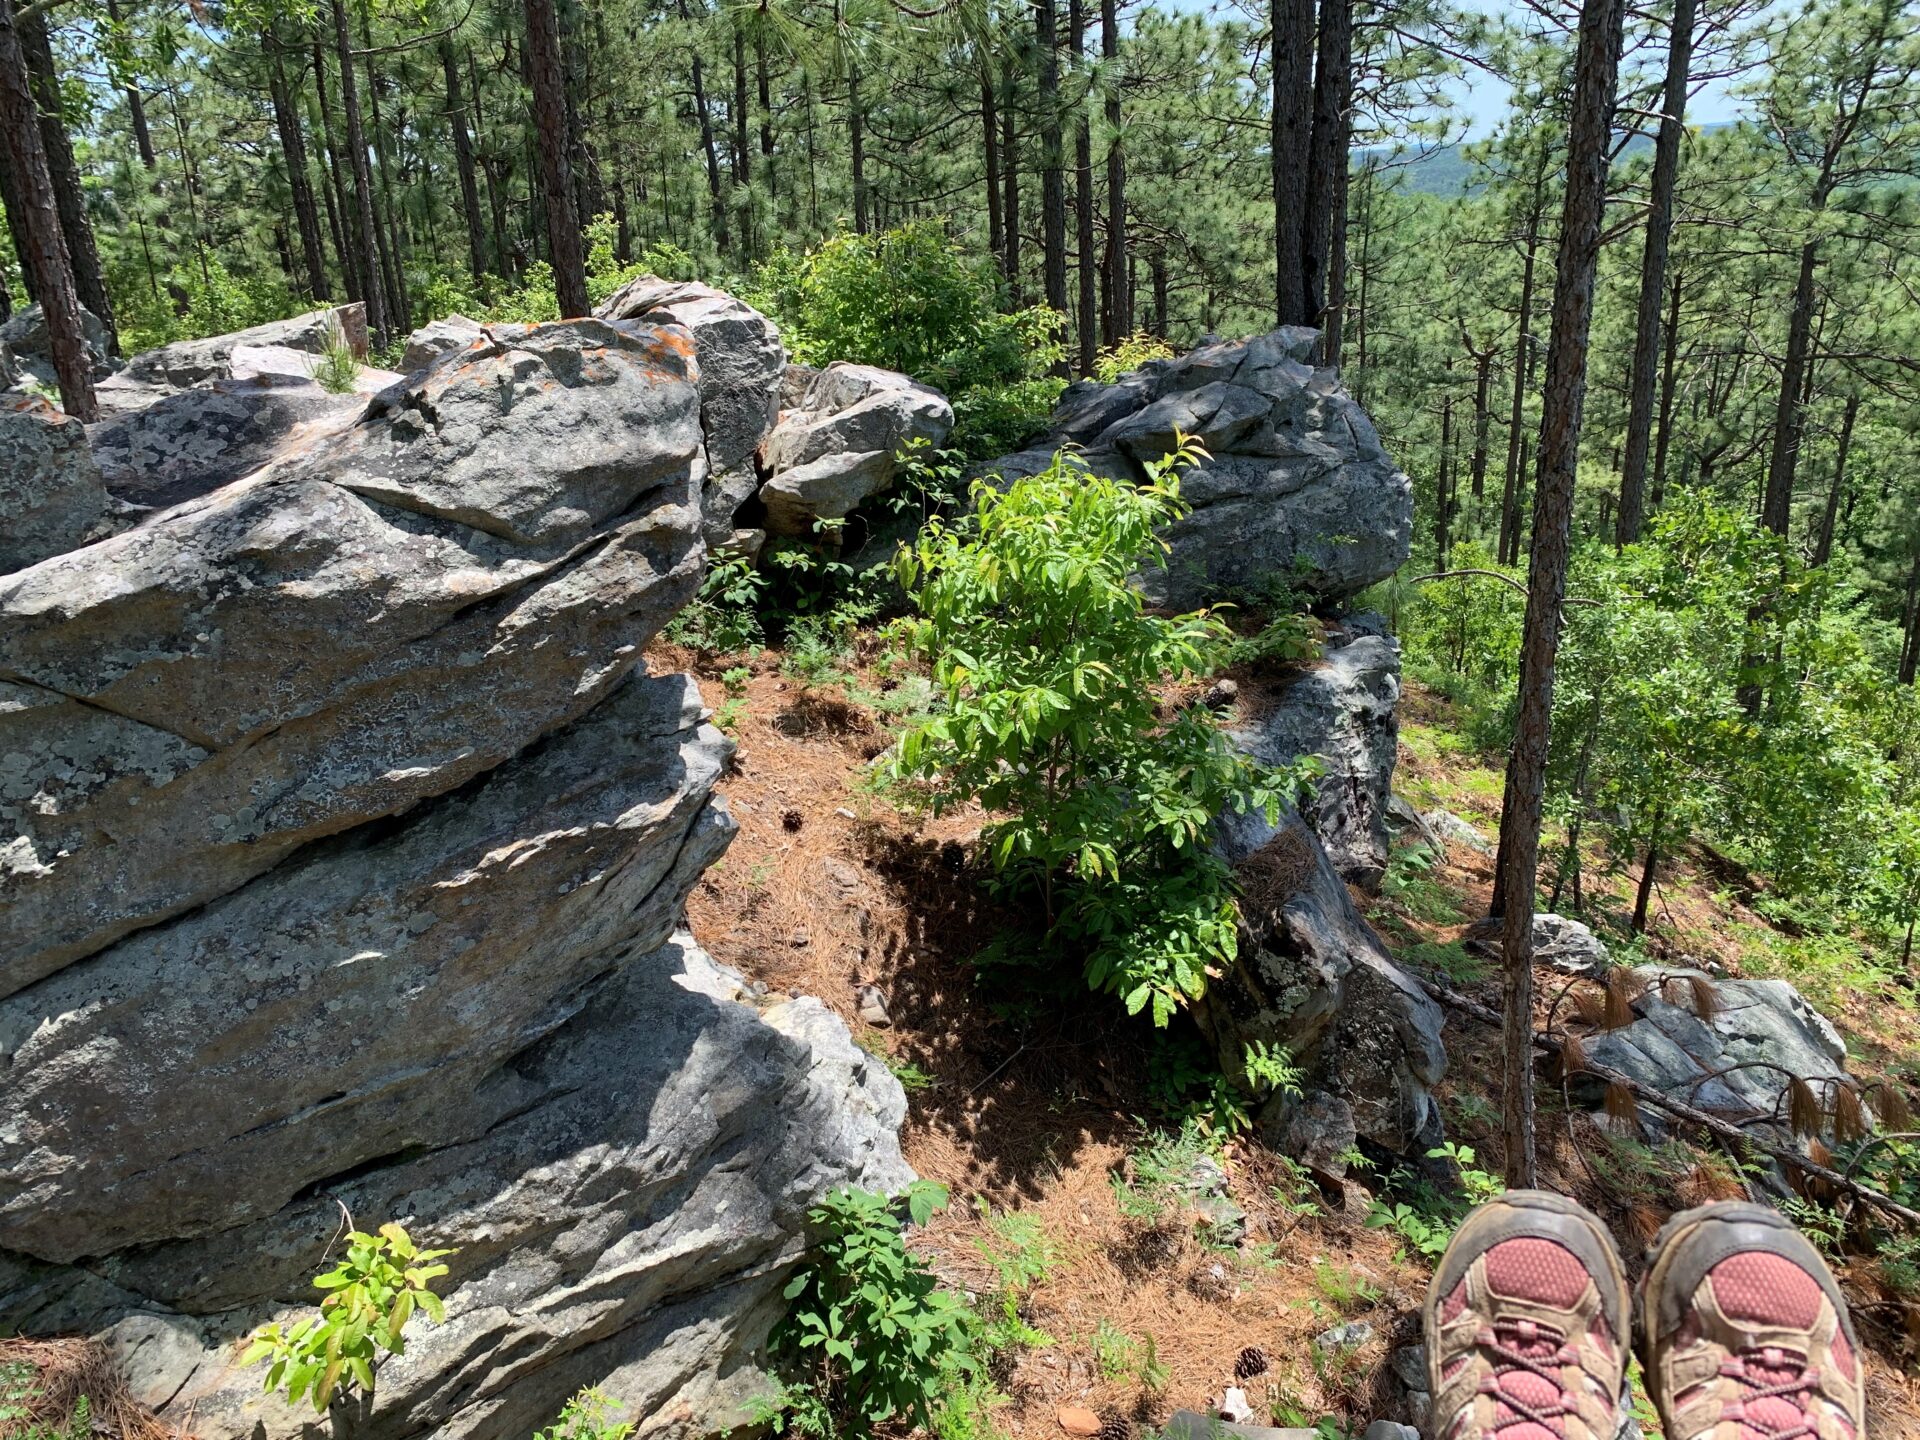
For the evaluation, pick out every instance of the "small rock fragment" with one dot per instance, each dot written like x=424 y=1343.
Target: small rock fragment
x=873 y=1006
x=1233 y=1406
x=1078 y=1420
x=1221 y=696
x=1350 y=1336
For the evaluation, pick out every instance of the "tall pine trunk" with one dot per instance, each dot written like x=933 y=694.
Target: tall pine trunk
x=1292 y=120
x=1085 y=263
x=990 y=155
x=1823 y=543
x=463 y=158
x=1327 y=156
x=1053 y=187
x=1010 y=170
x=293 y=149
x=1509 y=544
x=69 y=196
x=1596 y=70
x=1653 y=276
x=556 y=167
x=1669 y=367
x=1117 y=313
x=367 y=240
x=46 y=244
x=136 y=107
x=1789 y=417
x=857 y=143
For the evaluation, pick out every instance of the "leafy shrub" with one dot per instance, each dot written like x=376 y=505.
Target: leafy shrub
x=910 y=300
x=1049 y=666
x=588 y=1416
x=1429 y=1225
x=372 y=1294
x=724 y=618
x=1129 y=355
x=876 y=1336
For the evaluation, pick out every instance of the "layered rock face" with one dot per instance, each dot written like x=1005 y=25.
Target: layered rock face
x=342 y=864
x=842 y=444
x=51 y=495
x=1298 y=492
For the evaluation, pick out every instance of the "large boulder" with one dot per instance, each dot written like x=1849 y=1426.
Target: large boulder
x=437 y=338
x=741 y=365
x=194 y=362
x=370 y=622
x=480 y=1021
x=27 y=337
x=51 y=498
x=842 y=445
x=1297 y=492
x=198 y=440
x=1314 y=980
x=1736 y=1058
x=1342 y=709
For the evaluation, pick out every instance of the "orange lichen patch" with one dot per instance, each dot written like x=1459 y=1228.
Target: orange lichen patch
x=46 y=1379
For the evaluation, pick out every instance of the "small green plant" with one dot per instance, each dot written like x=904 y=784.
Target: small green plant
x=1129 y=355
x=1022 y=1256
x=1409 y=883
x=1428 y=1227
x=875 y=1335
x=371 y=1295
x=724 y=619
x=1346 y=1288
x=1270 y=1070
x=1119 y=1356
x=588 y=1416
x=1286 y=639
x=727 y=717
x=735 y=679
x=337 y=367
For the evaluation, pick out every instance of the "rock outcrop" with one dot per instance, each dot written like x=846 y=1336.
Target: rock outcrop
x=843 y=443
x=437 y=338
x=741 y=365
x=1343 y=709
x=1736 y=1059
x=28 y=341
x=342 y=864
x=194 y=362
x=51 y=497
x=1313 y=979
x=200 y=439
x=1298 y=491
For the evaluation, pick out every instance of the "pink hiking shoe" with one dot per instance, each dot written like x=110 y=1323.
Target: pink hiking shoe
x=1526 y=1325
x=1743 y=1333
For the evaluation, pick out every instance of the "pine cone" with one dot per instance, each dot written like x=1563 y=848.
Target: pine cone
x=1115 y=1427
x=1252 y=1362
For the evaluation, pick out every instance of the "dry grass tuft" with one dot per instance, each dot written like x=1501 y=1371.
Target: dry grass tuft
x=1622 y=988
x=1889 y=1102
x=1706 y=996
x=63 y=1372
x=1849 y=1116
x=1618 y=1102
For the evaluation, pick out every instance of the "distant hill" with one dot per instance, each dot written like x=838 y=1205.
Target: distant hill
x=1445 y=169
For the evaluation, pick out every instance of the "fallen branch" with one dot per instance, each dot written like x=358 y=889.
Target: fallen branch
x=1726 y=1130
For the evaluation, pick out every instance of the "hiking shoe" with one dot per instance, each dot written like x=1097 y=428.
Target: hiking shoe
x=1526 y=1325
x=1743 y=1333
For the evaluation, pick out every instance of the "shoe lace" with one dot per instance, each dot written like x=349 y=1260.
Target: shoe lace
x=1525 y=1347
x=1768 y=1372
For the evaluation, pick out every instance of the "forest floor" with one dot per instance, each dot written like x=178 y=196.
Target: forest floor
x=1049 y=1128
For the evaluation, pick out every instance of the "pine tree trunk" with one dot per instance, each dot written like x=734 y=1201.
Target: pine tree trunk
x=398 y=310
x=1643 y=899
x=1157 y=266
x=136 y=107
x=69 y=195
x=1333 y=335
x=372 y=291
x=1085 y=263
x=16 y=209
x=333 y=187
x=1010 y=168
x=1442 y=525
x=1292 y=121
x=1656 y=496
x=1053 y=187
x=46 y=243
x=1482 y=421
x=1653 y=275
x=764 y=83
x=1509 y=548
x=1117 y=314
x=293 y=149
x=1327 y=157
x=1776 y=503
x=556 y=168
x=990 y=151
x=1596 y=70
x=1823 y=544
x=463 y=159
x=742 y=156
x=857 y=133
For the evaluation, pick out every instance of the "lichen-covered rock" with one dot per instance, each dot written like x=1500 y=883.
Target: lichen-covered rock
x=741 y=365
x=198 y=440
x=194 y=362
x=437 y=338
x=27 y=337
x=1313 y=979
x=842 y=444
x=51 y=498
x=374 y=621
x=1342 y=709
x=1298 y=490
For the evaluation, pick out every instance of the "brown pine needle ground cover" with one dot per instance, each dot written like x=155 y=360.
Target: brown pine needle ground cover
x=829 y=887
x=42 y=1383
